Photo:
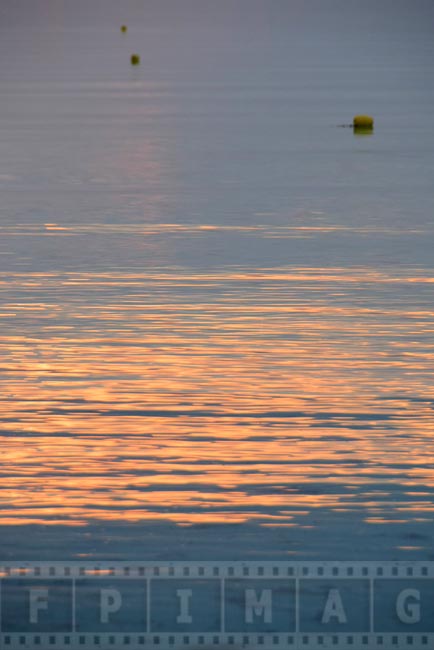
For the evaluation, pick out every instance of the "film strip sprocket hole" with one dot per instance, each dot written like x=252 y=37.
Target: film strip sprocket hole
x=217 y=605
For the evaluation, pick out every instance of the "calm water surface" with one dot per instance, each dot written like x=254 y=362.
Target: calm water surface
x=216 y=305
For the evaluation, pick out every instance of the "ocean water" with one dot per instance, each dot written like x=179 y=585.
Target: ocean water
x=216 y=304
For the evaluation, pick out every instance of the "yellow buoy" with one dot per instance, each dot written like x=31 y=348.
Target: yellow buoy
x=363 y=122
x=124 y=28
x=135 y=59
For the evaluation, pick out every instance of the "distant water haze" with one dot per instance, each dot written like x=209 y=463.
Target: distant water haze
x=216 y=304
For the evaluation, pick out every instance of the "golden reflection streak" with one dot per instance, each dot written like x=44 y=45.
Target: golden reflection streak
x=268 y=394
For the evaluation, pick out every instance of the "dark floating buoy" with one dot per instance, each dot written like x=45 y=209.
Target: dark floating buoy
x=363 y=123
x=124 y=29
x=135 y=59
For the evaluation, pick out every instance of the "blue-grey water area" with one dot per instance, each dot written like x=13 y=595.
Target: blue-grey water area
x=216 y=302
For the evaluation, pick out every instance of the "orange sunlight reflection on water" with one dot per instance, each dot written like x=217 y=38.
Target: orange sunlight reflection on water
x=219 y=397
